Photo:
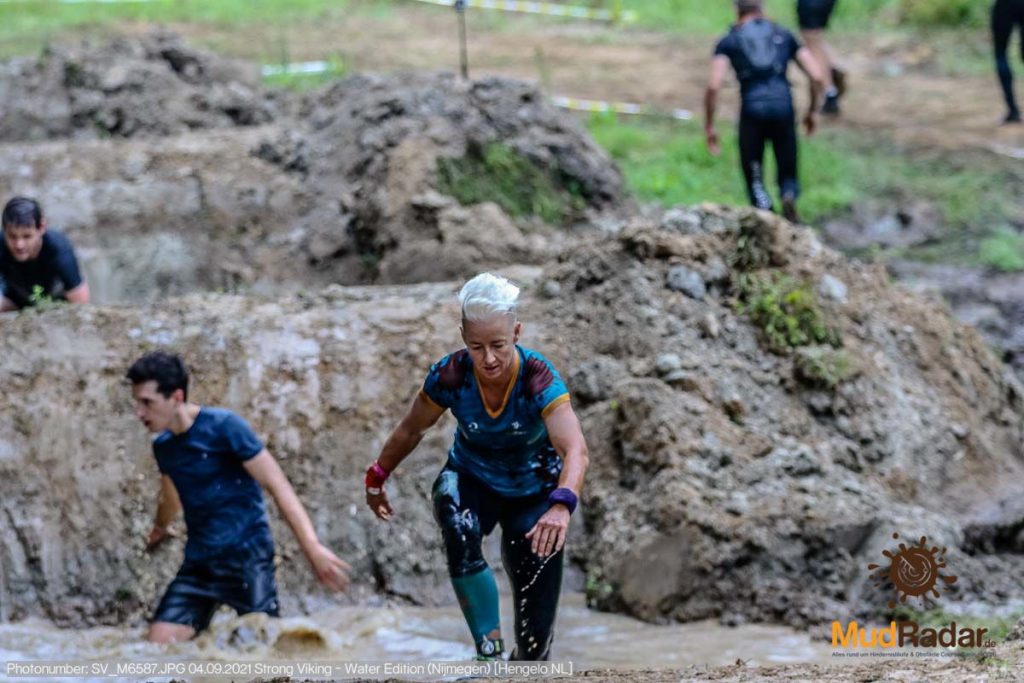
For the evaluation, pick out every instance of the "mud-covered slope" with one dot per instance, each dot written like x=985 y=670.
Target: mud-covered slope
x=369 y=146
x=725 y=483
x=320 y=378
x=336 y=186
x=720 y=484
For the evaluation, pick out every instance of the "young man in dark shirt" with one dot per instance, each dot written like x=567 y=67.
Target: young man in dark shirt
x=36 y=262
x=760 y=51
x=1007 y=15
x=213 y=465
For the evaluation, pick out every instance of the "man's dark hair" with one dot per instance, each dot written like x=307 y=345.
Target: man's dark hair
x=166 y=369
x=748 y=6
x=22 y=211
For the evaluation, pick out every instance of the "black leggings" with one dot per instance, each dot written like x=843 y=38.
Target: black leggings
x=755 y=132
x=1007 y=15
x=467 y=510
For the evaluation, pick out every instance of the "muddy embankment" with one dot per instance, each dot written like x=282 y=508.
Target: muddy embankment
x=721 y=484
x=727 y=480
x=335 y=187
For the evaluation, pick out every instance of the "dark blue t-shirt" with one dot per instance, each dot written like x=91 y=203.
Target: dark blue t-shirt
x=508 y=450
x=223 y=504
x=760 y=51
x=55 y=270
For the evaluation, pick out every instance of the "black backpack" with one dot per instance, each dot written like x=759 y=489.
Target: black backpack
x=761 y=43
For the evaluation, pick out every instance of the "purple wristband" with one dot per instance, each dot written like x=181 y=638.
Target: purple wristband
x=564 y=496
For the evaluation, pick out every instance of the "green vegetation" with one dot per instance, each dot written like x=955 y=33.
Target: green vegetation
x=785 y=311
x=29 y=24
x=497 y=173
x=944 y=12
x=710 y=17
x=1004 y=250
x=753 y=247
x=596 y=588
x=41 y=301
x=824 y=366
x=667 y=162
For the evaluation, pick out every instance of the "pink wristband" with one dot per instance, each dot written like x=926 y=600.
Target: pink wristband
x=376 y=476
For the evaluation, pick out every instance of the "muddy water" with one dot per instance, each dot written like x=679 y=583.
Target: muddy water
x=396 y=634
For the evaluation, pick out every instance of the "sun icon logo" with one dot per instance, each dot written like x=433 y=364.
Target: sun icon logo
x=913 y=571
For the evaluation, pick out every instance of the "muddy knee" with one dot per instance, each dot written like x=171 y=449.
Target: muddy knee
x=460 y=527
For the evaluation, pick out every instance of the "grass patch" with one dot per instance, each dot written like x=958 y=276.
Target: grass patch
x=944 y=12
x=497 y=173
x=710 y=17
x=785 y=311
x=668 y=163
x=1003 y=250
x=30 y=24
x=824 y=366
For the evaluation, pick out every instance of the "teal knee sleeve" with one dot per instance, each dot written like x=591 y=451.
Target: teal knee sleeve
x=478 y=597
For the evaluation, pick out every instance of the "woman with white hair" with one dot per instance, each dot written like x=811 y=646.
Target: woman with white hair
x=518 y=460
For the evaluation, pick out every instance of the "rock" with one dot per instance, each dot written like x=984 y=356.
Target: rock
x=796 y=462
x=593 y=379
x=832 y=288
x=683 y=220
x=667 y=363
x=710 y=327
x=681 y=379
x=1016 y=633
x=716 y=271
x=734 y=407
x=687 y=281
x=960 y=431
x=551 y=289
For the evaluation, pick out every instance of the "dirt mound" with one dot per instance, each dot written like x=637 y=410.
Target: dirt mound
x=370 y=148
x=344 y=186
x=727 y=480
x=731 y=481
x=130 y=87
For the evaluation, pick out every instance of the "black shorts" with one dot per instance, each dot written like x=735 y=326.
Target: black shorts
x=814 y=14
x=246 y=585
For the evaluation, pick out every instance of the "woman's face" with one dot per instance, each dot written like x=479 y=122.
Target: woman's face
x=492 y=344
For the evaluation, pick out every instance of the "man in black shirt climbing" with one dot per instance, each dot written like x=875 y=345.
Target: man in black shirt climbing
x=760 y=51
x=36 y=263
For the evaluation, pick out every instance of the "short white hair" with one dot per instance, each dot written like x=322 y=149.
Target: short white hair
x=487 y=296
